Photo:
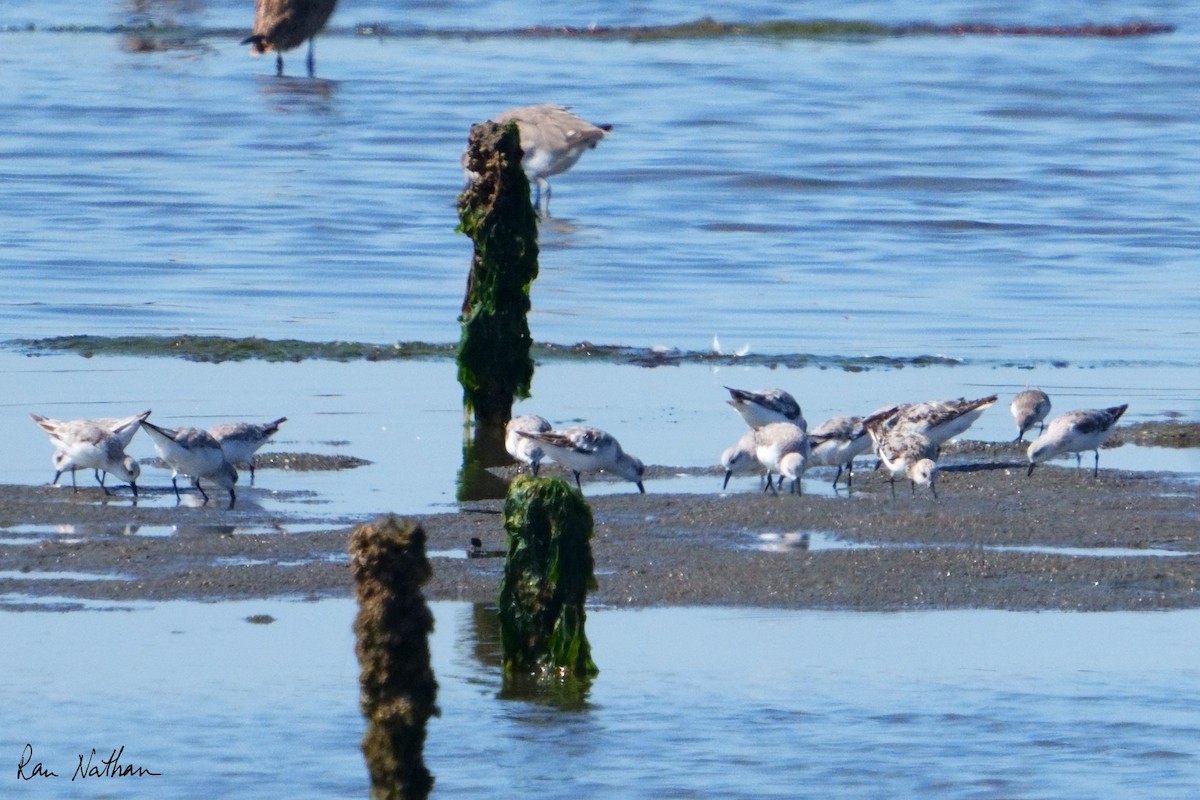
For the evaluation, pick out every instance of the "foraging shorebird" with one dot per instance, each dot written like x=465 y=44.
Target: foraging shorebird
x=241 y=440
x=741 y=457
x=783 y=448
x=586 y=449
x=195 y=453
x=940 y=420
x=522 y=448
x=123 y=427
x=283 y=24
x=903 y=451
x=1030 y=408
x=836 y=442
x=553 y=140
x=82 y=443
x=765 y=406
x=1074 y=432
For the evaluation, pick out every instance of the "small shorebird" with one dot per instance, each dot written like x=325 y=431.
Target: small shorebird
x=195 y=453
x=1074 y=432
x=940 y=420
x=783 y=448
x=283 y=24
x=553 y=140
x=836 y=442
x=82 y=443
x=241 y=440
x=765 y=406
x=903 y=451
x=524 y=449
x=586 y=449
x=1030 y=408
x=123 y=427
x=740 y=457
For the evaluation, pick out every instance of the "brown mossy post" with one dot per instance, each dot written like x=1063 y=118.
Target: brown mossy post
x=547 y=575
x=398 y=689
x=494 y=364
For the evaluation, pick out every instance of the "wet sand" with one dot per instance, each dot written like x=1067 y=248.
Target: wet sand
x=994 y=538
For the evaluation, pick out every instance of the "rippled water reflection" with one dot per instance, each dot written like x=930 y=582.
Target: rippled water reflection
x=688 y=703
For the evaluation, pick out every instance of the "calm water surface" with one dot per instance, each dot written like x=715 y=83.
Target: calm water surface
x=689 y=703
x=1026 y=205
x=986 y=197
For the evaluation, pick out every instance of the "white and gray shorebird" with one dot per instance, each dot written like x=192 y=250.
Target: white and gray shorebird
x=1074 y=432
x=904 y=452
x=764 y=406
x=586 y=449
x=525 y=450
x=82 y=443
x=195 y=453
x=836 y=442
x=940 y=420
x=741 y=457
x=283 y=24
x=123 y=427
x=1030 y=408
x=783 y=448
x=552 y=139
x=241 y=440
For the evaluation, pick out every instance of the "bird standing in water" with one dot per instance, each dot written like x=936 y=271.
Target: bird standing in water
x=552 y=139
x=283 y=24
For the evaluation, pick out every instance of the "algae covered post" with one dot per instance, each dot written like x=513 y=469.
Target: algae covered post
x=494 y=364
x=547 y=575
x=398 y=689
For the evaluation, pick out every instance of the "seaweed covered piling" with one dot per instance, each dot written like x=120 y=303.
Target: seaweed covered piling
x=494 y=362
x=398 y=689
x=547 y=574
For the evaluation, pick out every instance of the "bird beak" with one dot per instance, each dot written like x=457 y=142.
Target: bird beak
x=641 y=488
x=133 y=486
x=728 y=475
x=1030 y=472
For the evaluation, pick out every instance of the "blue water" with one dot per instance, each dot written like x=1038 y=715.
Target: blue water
x=980 y=197
x=1025 y=205
x=689 y=703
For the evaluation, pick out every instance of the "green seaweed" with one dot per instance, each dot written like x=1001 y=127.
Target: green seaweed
x=548 y=572
x=218 y=349
x=398 y=688
x=494 y=362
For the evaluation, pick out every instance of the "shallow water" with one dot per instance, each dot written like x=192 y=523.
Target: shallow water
x=992 y=197
x=1026 y=206
x=688 y=703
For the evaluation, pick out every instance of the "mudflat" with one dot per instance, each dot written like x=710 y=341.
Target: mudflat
x=993 y=538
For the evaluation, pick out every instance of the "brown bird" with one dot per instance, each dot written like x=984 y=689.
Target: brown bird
x=283 y=24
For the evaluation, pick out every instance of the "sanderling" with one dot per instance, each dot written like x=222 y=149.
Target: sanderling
x=524 y=449
x=552 y=139
x=283 y=24
x=783 y=447
x=903 y=451
x=82 y=443
x=586 y=449
x=241 y=440
x=836 y=442
x=1030 y=408
x=740 y=457
x=195 y=453
x=766 y=406
x=1074 y=432
x=940 y=420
